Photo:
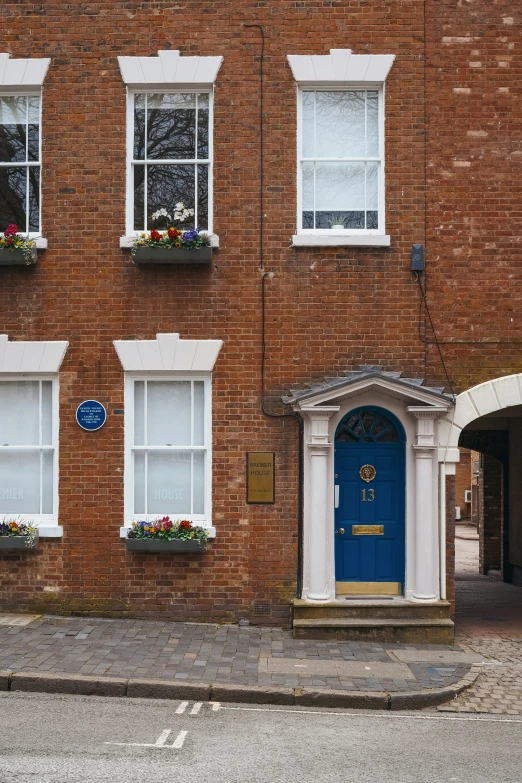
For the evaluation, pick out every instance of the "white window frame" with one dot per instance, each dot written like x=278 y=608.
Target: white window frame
x=47 y=523
x=130 y=231
x=348 y=232
x=19 y=92
x=202 y=520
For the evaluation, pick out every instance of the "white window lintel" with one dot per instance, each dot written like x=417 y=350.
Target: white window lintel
x=26 y=74
x=168 y=352
x=31 y=356
x=169 y=69
x=340 y=66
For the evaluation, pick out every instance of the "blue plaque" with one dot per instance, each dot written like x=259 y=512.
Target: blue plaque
x=91 y=415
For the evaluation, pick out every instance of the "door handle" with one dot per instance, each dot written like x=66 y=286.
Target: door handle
x=336 y=495
x=340 y=531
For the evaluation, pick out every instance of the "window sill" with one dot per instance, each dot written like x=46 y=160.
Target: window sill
x=210 y=528
x=127 y=242
x=340 y=240
x=50 y=531
x=41 y=243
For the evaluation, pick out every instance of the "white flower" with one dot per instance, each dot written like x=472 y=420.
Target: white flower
x=161 y=213
x=179 y=206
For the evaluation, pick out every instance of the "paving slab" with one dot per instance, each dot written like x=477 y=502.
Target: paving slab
x=343 y=669
x=437 y=656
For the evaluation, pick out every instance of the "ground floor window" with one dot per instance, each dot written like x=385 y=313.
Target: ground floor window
x=28 y=449
x=168 y=448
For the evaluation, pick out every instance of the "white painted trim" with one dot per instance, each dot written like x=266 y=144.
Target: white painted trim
x=168 y=353
x=127 y=242
x=341 y=240
x=46 y=523
x=129 y=210
x=169 y=68
x=31 y=356
x=28 y=73
x=340 y=66
x=202 y=520
x=488 y=397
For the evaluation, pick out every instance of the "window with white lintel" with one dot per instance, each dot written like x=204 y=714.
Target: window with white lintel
x=168 y=456
x=341 y=160
x=29 y=448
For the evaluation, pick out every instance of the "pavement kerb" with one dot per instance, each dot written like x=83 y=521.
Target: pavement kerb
x=87 y=685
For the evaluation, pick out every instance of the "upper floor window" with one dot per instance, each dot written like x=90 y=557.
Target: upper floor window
x=170 y=160
x=20 y=162
x=341 y=160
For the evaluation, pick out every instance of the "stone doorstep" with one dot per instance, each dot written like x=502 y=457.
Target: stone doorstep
x=166 y=689
x=17 y=619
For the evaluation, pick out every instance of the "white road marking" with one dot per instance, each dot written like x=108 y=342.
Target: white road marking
x=180 y=739
x=196 y=708
x=160 y=742
x=216 y=705
x=379 y=715
x=181 y=708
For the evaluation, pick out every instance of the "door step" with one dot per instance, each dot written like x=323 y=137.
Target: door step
x=374 y=621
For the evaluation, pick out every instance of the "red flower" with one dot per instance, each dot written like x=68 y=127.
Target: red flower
x=11 y=230
x=185 y=525
x=10 y=240
x=155 y=235
x=173 y=233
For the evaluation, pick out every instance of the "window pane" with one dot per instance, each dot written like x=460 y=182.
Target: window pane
x=340 y=124
x=308 y=195
x=19 y=482
x=13 y=188
x=139 y=198
x=139 y=127
x=47 y=482
x=13 y=119
x=372 y=195
x=168 y=413
x=47 y=413
x=34 y=198
x=308 y=124
x=198 y=491
x=171 y=126
x=139 y=413
x=199 y=413
x=19 y=413
x=139 y=482
x=339 y=195
x=33 y=129
x=168 y=485
x=203 y=113
x=168 y=186
x=372 y=124
x=202 y=198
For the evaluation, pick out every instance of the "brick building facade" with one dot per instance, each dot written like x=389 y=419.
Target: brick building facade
x=325 y=302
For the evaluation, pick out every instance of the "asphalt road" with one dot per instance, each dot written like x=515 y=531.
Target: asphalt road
x=73 y=739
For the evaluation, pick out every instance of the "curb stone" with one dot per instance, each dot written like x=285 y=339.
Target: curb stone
x=84 y=685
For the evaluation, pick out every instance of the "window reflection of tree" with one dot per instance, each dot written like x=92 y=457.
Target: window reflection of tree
x=171 y=135
x=15 y=147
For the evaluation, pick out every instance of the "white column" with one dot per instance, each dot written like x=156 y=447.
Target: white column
x=320 y=496
x=427 y=555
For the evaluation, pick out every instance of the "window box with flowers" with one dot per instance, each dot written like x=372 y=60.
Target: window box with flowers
x=15 y=249
x=18 y=535
x=164 y=535
x=172 y=245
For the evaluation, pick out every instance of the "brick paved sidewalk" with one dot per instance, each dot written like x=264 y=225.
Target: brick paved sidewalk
x=489 y=622
x=221 y=654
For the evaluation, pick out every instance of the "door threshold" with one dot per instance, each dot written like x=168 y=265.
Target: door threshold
x=368 y=588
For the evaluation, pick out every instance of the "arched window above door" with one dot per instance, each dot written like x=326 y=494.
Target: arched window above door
x=366 y=425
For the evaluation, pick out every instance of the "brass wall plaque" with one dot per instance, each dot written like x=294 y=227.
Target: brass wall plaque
x=367 y=530
x=367 y=473
x=260 y=477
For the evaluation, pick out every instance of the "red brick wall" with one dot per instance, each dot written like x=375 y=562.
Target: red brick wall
x=463 y=483
x=328 y=310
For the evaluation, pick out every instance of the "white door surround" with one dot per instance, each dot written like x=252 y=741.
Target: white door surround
x=418 y=409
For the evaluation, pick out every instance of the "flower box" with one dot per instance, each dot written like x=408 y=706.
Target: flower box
x=150 y=545
x=19 y=543
x=147 y=254
x=16 y=257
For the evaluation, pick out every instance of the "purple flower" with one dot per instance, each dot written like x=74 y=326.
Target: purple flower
x=189 y=236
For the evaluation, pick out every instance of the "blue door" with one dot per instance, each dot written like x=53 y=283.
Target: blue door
x=369 y=501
